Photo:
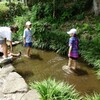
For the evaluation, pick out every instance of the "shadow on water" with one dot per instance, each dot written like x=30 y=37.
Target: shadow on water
x=36 y=56
x=80 y=72
x=26 y=74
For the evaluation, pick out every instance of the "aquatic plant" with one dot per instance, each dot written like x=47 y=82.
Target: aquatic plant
x=52 y=90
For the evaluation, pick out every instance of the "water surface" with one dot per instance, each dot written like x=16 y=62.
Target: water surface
x=45 y=64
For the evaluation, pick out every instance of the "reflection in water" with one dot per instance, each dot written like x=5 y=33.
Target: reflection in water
x=45 y=64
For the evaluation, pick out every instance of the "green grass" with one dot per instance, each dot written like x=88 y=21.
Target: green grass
x=95 y=96
x=52 y=90
x=98 y=73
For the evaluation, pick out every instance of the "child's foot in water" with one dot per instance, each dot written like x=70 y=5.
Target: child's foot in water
x=27 y=56
x=19 y=54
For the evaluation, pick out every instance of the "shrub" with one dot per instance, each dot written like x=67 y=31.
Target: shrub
x=47 y=38
x=20 y=22
x=9 y=11
x=41 y=10
x=52 y=90
x=3 y=12
x=15 y=9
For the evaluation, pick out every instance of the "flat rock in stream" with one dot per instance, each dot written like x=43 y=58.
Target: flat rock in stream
x=67 y=69
x=14 y=83
x=6 y=60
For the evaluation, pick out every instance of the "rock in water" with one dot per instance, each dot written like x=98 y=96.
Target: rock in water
x=6 y=60
x=66 y=69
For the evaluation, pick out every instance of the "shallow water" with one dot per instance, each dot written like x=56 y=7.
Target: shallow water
x=45 y=64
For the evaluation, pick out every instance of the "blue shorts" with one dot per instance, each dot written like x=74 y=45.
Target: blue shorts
x=28 y=44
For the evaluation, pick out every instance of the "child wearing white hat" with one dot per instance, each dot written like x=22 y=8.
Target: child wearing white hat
x=73 y=49
x=27 y=37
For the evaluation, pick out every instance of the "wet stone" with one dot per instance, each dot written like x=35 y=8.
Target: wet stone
x=12 y=85
x=66 y=69
x=14 y=82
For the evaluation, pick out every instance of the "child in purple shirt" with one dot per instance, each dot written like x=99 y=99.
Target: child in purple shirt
x=73 y=49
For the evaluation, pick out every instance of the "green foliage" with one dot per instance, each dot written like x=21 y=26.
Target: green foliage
x=80 y=16
x=46 y=38
x=3 y=12
x=86 y=29
x=85 y=26
x=95 y=96
x=90 y=50
x=79 y=6
x=52 y=90
x=74 y=9
x=41 y=10
x=97 y=27
x=15 y=9
x=20 y=22
x=98 y=71
x=9 y=11
x=67 y=14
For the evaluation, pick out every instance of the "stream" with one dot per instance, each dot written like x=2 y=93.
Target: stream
x=48 y=64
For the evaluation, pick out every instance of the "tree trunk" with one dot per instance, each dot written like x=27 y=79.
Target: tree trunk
x=96 y=7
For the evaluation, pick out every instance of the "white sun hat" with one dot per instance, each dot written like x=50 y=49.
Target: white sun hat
x=73 y=30
x=28 y=23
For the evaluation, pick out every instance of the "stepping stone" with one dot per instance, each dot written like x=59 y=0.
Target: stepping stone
x=6 y=60
x=66 y=69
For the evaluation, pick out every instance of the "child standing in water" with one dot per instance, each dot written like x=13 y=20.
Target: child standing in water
x=27 y=36
x=73 y=49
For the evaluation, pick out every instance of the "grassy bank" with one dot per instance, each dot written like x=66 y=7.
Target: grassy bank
x=52 y=90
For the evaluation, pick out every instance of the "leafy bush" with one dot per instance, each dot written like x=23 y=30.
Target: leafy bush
x=74 y=9
x=41 y=10
x=9 y=11
x=80 y=16
x=46 y=38
x=15 y=9
x=90 y=51
x=97 y=27
x=52 y=90
x=3 y=12
x=98 y=71
x=20 y=22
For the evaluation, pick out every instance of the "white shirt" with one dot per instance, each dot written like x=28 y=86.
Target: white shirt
x=1 y=49
x=5 y=32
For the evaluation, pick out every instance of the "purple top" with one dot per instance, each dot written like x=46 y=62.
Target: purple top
x=73 y=41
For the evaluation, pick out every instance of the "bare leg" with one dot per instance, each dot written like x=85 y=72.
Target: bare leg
x=74 y=64
x=15 y=55
x=28 y=51
x=70 y=62
x=4 y=46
